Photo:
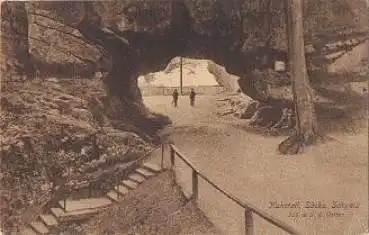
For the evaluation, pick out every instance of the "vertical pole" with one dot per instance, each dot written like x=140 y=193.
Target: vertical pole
x=195 y=185
x=172 y=156
x=249 y=223
x=181 y=74
x=62 y=137
x=65 y=204
x=162 y=156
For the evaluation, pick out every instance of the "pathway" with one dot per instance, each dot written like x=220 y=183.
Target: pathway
x=248 y=166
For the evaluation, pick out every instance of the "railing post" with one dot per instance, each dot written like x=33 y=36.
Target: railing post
x=94 y=148
x=172 y=156
x=162 y=156
x=117 y=182
x=195 y=185
x=249 y=222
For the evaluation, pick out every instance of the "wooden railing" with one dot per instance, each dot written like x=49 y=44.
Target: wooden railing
x=168 y=91
x=29 y=215
x=32 y=212
x=139 y=161
x=249 y=209
x=129 y=166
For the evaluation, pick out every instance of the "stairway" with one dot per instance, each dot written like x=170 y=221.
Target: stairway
x=84 y=208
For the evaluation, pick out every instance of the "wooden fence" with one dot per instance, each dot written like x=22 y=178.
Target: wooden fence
x=62 y=191
x=168 y=91
x=126 y=169
x=248 y=209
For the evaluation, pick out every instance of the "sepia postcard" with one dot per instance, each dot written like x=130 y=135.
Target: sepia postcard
x=179 y=117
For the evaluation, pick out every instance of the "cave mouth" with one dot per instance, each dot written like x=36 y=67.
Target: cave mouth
x=150 y=109
x=183 y=74
x=208 y=79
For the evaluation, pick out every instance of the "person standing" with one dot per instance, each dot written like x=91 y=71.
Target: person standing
x=192 y=97
x=175 y=97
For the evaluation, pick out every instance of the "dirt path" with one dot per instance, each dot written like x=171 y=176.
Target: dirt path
x=248 y=165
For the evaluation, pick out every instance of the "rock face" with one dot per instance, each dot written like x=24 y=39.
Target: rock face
x=59 y=49
x=47 y=139
x=224 y=79
x=155 y=34
x=71 y=39
x=131 y=38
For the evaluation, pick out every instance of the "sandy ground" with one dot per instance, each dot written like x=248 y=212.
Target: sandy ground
x=248 y=165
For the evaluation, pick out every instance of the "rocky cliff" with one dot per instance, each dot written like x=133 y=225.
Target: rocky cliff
x=130 y=38
x=79 y=38
x=73 y=39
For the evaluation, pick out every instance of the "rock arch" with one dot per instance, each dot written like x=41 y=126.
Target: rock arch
x=142 y=36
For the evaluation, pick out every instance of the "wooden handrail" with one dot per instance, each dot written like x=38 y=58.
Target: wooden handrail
x=246 y=205
x=29 y=215
x=131 y=163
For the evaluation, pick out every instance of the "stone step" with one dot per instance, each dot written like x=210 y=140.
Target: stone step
x=28 y=231
x=63 y=216
x=83 y=204
x=39 y=227
x=122 y=189
x=130 y=184
x=136 y=177
x=113 y=195
x=152 y=167
x=145 y=173
x=49 y=220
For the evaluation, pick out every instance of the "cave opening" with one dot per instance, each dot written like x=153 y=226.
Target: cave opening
x=183 y=74
x=205 y=76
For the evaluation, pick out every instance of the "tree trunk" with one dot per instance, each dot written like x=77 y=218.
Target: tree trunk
x=306 y=125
